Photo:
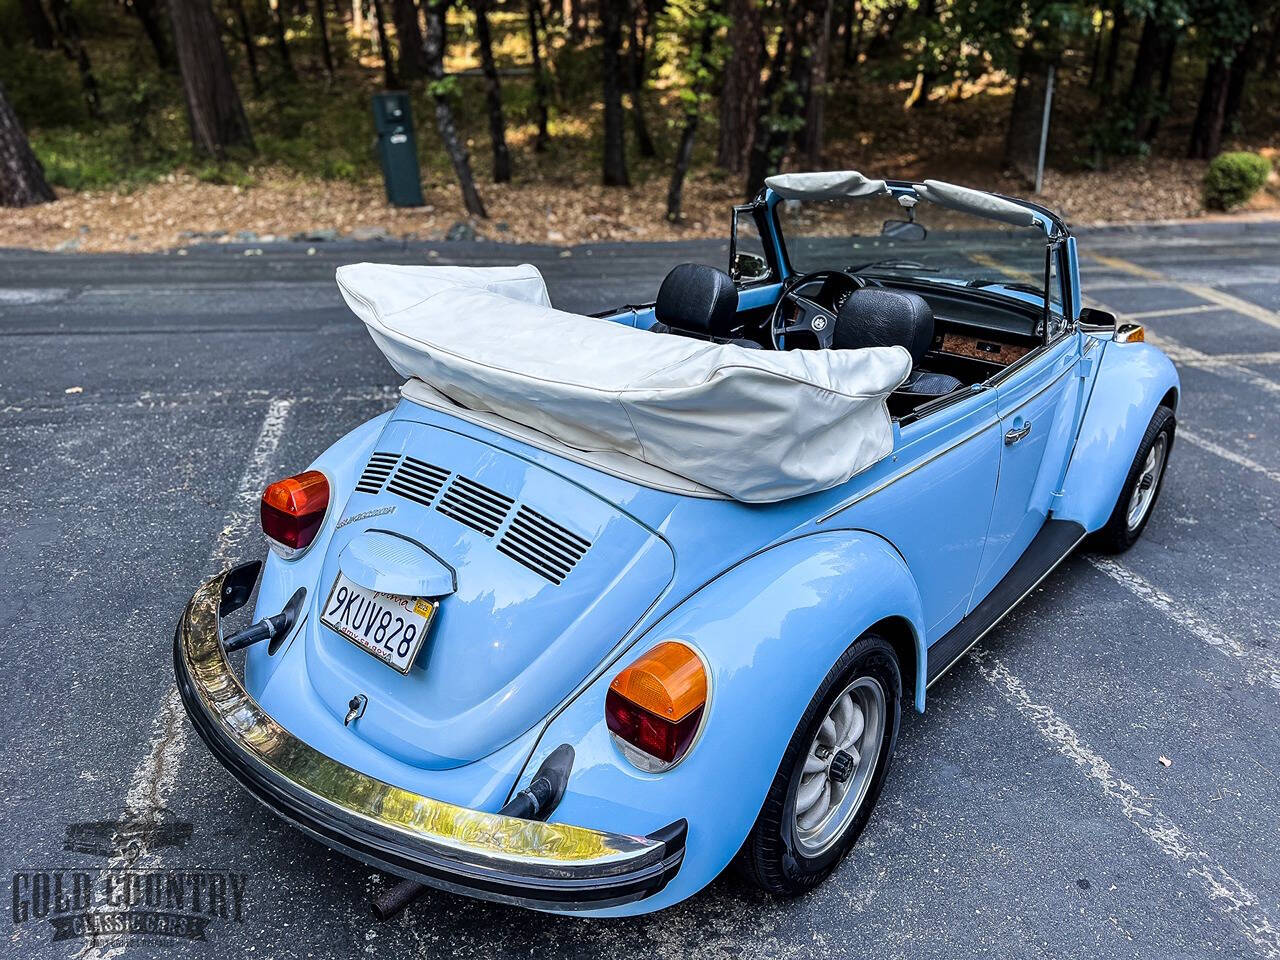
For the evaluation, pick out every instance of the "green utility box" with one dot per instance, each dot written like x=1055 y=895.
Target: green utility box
x=397 y=150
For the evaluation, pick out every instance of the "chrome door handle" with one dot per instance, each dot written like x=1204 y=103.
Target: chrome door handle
x=1013 y=436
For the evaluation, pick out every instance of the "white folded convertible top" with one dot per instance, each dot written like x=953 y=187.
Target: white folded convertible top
x=754 y=425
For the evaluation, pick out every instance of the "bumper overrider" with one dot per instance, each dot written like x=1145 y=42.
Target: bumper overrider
x=548 y=866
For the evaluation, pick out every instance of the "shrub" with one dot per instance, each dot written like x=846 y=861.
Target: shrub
x=1232 y=178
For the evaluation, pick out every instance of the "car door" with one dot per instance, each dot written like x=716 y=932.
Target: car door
x=932 y=500
x=1036 y=403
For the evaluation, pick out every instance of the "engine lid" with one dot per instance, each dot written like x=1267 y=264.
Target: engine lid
x=545 y=578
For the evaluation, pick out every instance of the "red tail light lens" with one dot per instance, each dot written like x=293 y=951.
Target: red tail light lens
x=654 y=707
x=293 y=510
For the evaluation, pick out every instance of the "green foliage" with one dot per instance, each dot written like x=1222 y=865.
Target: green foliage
x=1232 y=178
x=79 y=160
x=41 y=87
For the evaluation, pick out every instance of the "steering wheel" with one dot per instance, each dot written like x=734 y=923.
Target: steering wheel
x=807 y=316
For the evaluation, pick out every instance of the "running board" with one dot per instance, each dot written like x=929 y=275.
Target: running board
x=1052 y=545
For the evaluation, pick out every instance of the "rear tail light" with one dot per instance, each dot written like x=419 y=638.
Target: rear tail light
x=655 y=707
x=293 y=510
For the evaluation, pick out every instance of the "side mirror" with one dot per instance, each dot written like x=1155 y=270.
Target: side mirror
x=903 y=230
x=748 y=268
x=1093 y=317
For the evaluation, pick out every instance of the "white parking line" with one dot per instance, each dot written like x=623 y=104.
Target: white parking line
x=153 y=780
x=1259 y=666
x=1227 y=454
x=1203 y=291
x=1226 y=894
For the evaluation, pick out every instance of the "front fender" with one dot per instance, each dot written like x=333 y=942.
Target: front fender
x=1132 y=380
x=770 y=630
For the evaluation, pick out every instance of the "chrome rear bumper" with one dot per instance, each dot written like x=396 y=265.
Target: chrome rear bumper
x=548 y=866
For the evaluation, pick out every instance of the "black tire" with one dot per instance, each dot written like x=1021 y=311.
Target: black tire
x=1118 y=535
x=770 y=857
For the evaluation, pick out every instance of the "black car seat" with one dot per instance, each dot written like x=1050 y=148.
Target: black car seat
x=700 y=301
x=873 y=317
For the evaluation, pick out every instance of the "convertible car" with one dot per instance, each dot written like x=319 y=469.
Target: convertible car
x=607 y=603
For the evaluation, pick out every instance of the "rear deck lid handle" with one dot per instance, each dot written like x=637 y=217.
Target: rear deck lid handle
x=391 y=563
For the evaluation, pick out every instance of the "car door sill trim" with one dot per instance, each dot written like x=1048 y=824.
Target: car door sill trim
x=1053 y=544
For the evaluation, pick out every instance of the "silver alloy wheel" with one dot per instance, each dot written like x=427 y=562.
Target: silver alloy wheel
x=838 y=767
x=1144 y=492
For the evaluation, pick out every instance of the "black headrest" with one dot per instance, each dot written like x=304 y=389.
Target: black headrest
x=699 y=299
x=872 y=317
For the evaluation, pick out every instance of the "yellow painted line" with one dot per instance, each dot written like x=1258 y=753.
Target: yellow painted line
x=991 y=263
x=1204 y=292
x=1115 y=263
x=1174 y=312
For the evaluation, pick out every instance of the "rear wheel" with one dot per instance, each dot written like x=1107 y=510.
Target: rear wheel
x=1141 y=487
x=831 y=772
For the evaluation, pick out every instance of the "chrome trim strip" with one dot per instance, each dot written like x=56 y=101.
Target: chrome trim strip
x=994 y=623
x=1052 y=383
x=449 y=846
x=859 y=497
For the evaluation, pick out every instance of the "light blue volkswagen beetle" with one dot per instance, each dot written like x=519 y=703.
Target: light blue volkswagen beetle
x=607 y=603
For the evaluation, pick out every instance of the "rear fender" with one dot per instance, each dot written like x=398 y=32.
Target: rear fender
x=769 y=629
x=1132 y=380
x=341 y=464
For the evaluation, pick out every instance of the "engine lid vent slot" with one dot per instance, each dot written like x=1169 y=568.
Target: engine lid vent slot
x=475 y=505
x=376 y=472
x=542 y=545
x=418 y=481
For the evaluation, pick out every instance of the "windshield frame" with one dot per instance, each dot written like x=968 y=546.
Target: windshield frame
x=1055 y=236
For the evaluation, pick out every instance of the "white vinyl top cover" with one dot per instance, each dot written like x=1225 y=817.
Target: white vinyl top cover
x=977 y=202
x=825 y=185
x=754 y=425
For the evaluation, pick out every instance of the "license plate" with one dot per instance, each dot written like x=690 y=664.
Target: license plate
x=390 y=628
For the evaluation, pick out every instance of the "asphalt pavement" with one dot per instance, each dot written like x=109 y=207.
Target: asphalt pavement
x=1101 y=779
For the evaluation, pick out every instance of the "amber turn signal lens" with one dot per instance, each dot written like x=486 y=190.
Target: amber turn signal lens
x=654 y=707
x=1130 y=333
x=293 y=510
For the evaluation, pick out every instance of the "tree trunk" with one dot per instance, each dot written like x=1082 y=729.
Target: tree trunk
x=282 y=45
x=413 y=62
x=389 y=79
x=1166 y=81
x=684 y=153
x=740 y=93
x=815 y=108
x=1095 y=57
x=577 y=22
x=326 y=53
x=453 y=144
x=1272 y=61
x=145 y=11
x=1025 y=110
x=1206 y=130
x=1119 y=23
x=615 y=147
x=22 y=181
x=250 y=47
x=72 y=47
x=637 y=70
x=926 y=75
x=781 y=99
x=539 y=77
x=1239 y=73
x=39 y=25
x=492 y=94
x=1141 y=100
x=214 y=110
